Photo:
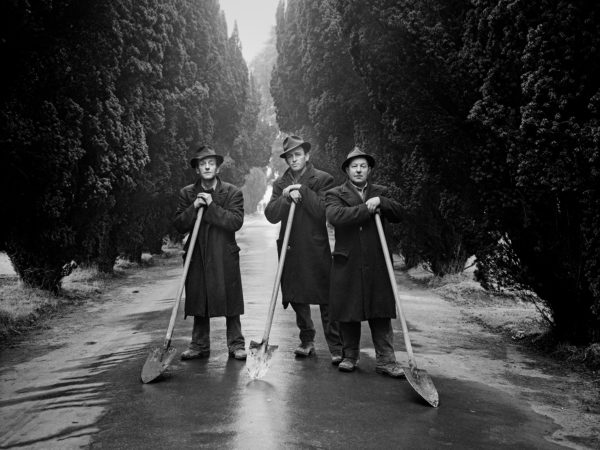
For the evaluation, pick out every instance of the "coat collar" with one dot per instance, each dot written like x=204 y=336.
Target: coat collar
x=349 y=194
x=220 y=191
x=307 y=175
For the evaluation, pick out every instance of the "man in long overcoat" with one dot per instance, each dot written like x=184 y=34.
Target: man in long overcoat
x=213 y=287
x=305 y=277
x=360 y=286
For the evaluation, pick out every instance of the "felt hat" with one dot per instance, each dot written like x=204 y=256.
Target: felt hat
x=358 y=153
x=292 y=143
x=204 y=151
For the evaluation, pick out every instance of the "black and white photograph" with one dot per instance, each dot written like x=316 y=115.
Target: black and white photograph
x=300 y=224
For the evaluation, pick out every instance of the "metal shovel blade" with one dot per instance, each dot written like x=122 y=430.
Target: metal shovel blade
x=423 y=384
x=156 y=363
x=259 y=358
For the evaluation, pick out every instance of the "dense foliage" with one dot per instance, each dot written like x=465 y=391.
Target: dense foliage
x=315 y=90
x=356 y=93
x=407 y=54
x=99 y=111
x=539 y=64
x=483 y=116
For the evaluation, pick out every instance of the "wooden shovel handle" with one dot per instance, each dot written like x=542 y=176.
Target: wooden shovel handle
x=186 y=266
x=390 y=269
x=284 y=245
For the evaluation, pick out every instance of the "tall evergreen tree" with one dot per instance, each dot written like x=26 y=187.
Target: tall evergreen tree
x=540 y=91
x=64 y=132
x=103 y=105
x=486 y=125
x=289 y=95
x=408 y=54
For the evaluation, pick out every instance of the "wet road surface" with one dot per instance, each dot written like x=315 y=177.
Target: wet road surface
x=77 y=384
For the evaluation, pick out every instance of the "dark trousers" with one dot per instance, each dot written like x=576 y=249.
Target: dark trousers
x=307 y=327
x=381 y=333
x=201 y=333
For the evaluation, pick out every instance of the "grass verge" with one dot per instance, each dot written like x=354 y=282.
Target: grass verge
x=23 y=308
x=508 y=314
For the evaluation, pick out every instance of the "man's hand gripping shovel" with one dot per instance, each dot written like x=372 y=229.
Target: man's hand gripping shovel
x=259 y=358
x=419 y=379
x=160 y=357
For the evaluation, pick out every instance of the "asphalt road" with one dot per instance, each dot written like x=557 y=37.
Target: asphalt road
x=76 y=384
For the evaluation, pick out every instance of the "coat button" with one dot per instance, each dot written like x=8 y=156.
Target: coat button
x=360 y=228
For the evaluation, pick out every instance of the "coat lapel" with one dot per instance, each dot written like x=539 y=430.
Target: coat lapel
x=349 y=195
x=220 y=193
x=288 y=176
x=372 y=191
x=219 y=196
x=308 y=175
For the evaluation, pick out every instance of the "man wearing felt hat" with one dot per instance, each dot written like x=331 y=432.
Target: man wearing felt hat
x=213 y=287
x=360 y=287
x=305 y=277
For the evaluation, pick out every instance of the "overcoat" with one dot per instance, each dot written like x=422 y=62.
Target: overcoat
x=305 y=276
x=213 y=286
x=360 y=286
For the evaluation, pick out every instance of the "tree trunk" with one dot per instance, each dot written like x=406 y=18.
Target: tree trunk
x=35 y=269
x=107 y=248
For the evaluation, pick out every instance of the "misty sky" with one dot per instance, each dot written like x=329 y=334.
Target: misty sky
x=254 y=18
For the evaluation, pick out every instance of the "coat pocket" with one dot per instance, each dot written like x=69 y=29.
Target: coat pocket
x=341 y=254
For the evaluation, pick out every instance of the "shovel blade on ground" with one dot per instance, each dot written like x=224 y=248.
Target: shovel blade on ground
x=259 y=359
x=423 y=384
x=157 y=362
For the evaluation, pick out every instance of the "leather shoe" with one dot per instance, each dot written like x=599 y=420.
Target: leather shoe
x=305 y=349
x=239 y=354
x=194 y=354
x=347 y=365
x=392 y=369
x=336 y=360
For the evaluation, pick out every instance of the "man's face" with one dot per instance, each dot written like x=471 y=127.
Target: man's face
x=207 y=168
x=358 y=171
x=297 y=159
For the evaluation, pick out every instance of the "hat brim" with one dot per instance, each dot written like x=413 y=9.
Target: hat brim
x=194 y=161
x=369 y=159
x=304 y=145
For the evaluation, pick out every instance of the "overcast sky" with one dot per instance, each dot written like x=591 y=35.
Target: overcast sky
x=254 y=18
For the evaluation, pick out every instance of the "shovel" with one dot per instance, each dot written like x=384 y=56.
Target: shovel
x=418 y=378
x=160 y=357
x=259 y=359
